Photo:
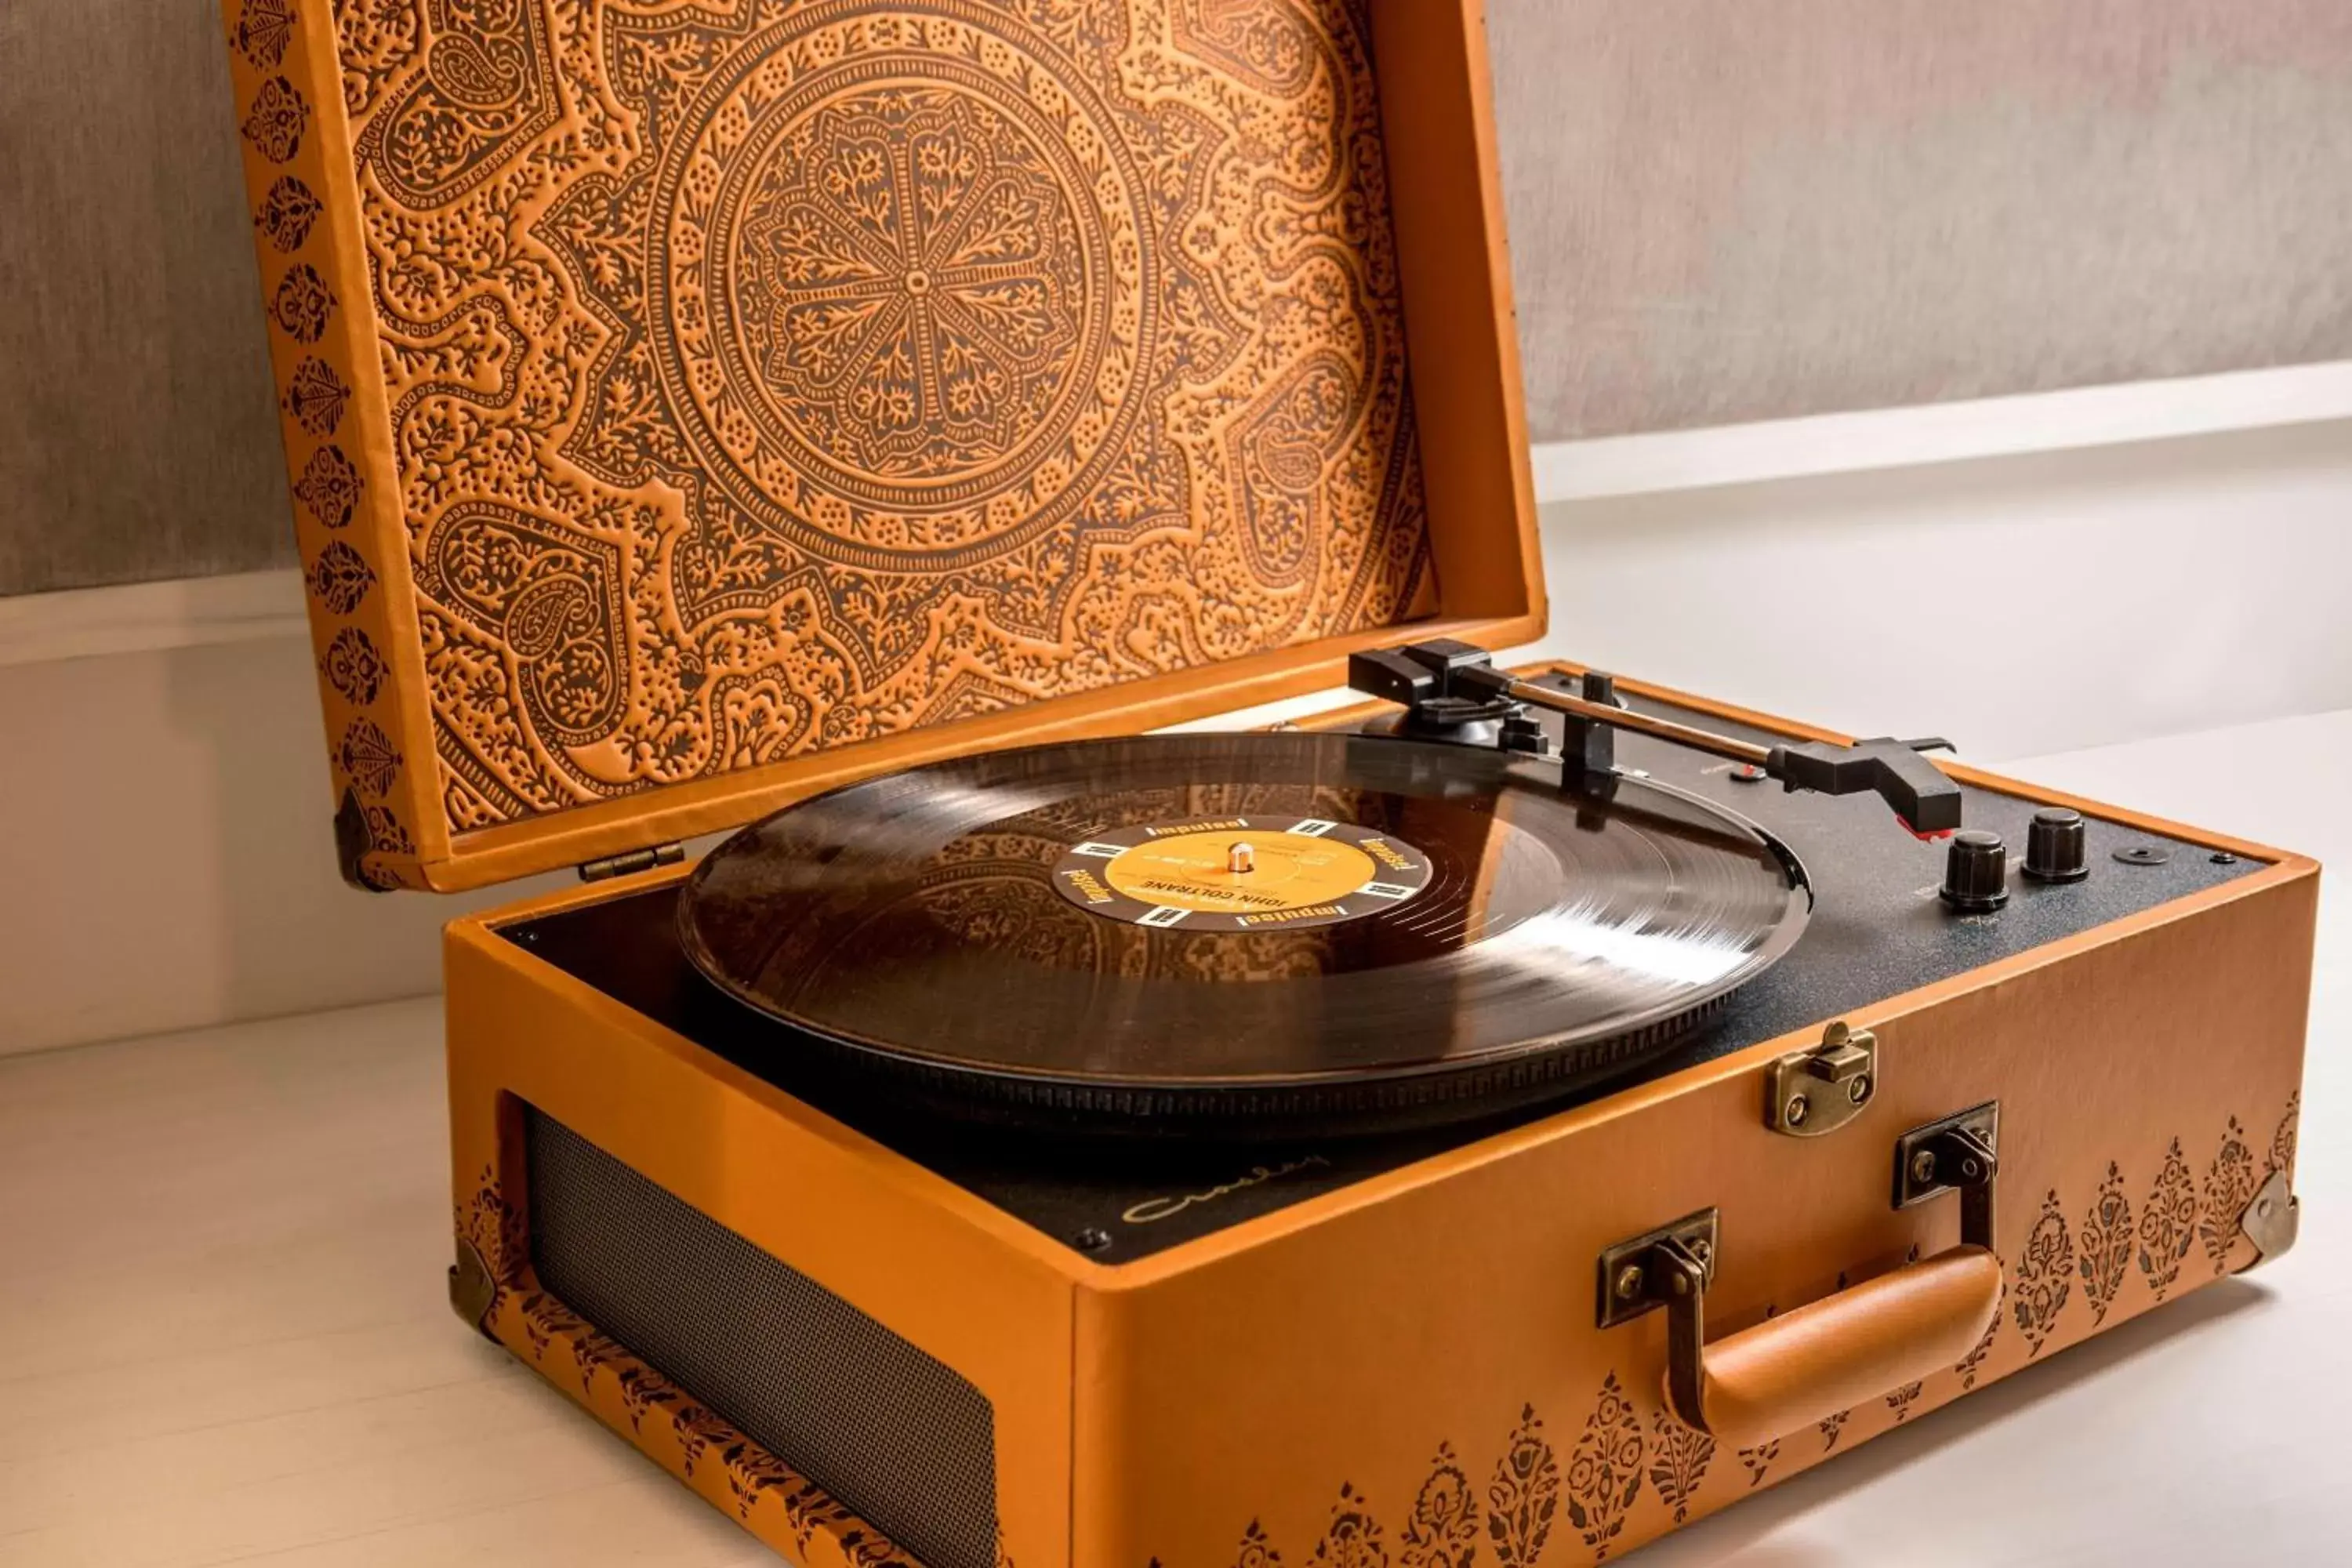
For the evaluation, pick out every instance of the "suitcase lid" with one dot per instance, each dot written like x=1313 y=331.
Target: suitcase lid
x=692 y=407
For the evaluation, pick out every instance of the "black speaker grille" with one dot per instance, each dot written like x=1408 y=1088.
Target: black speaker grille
x=895 y=1435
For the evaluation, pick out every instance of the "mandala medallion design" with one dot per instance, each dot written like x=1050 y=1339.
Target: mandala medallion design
x=757 y=379
x=903 y=294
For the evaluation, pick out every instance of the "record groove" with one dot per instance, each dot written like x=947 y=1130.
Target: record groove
x=1241 y=935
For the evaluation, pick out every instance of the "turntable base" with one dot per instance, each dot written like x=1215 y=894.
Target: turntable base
x=1295 y=1350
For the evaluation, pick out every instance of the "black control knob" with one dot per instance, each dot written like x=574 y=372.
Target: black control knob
x=1976 y=872
x=2055 y=847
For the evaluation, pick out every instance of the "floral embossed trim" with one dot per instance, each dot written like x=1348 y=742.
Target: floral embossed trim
x=2228 y=1187
x=339 y=579
x=302 y=304
x=330 y=486
x=1524 y=1495
x=263 y=29
x=277 y=121
x=286 y=214
x=316 y=398
x=353 y=666
x=1442 y=1530
x=369 y=759
x=2045 y=1276
x=2167 y=1222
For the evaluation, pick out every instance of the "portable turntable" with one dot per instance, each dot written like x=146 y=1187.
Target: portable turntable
x=1497 y=1124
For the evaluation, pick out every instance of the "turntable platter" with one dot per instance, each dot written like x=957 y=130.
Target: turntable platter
x=1228 y=933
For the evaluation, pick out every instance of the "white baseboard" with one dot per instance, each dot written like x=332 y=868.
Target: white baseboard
x=252 y=605
x=136 y=617
x=1942 y=432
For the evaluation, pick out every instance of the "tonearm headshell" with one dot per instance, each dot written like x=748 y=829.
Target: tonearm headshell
x=1452 y=691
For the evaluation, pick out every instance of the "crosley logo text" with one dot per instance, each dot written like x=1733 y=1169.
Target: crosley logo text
x=1154 y=1209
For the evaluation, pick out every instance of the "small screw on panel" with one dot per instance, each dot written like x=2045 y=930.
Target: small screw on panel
x=1859 y=1090
x=1629 y=1282
x=1923 y=1167
x=1796 y=1111
x=1092 y=1239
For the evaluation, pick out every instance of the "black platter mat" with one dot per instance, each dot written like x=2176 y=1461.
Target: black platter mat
x=1424 y=934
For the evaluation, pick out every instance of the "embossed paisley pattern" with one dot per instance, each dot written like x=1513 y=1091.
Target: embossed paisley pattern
x=1604 y=1469
x=2045 y=1276
x=286 y=214
x=2104 y=1248
x=1680 y=1463
x=1352 y=1539
x=330 y=486
x=1443 y=1531
x=316 y=398
x=339 y=579
x=263 y=29
x=764 y=377
x=2167 y=1222
x=1524 y=1495
x=2230 y=1183
x=353 y=666
x=301 y=305
x=369 y=757
x=277 y=121
x=2282 y=1156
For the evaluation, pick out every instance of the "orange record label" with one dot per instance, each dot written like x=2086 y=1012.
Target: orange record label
x=1241 y=873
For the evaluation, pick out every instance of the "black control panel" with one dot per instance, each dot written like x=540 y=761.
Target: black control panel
x=1884 y=922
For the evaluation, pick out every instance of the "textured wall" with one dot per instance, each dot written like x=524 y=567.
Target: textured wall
x=1721 y=211
x=138 y=435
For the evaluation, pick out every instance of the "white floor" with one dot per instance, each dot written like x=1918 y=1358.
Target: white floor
x=220 y=1295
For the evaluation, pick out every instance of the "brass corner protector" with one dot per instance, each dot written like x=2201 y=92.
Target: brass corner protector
x=1810 y=1092
x=472 y=1291
x=2271 y=1220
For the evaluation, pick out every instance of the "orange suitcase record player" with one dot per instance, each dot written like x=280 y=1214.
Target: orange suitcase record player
x=1494 y=1125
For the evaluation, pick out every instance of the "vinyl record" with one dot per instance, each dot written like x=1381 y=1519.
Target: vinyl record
x=1238 y=935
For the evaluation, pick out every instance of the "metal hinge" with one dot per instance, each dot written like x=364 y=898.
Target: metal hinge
x=628 y=865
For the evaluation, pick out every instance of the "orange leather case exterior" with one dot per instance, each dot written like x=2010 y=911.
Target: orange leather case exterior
x=689 y=406
x=1407 y=1370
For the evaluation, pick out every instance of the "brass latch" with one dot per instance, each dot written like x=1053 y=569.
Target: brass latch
x=1808 y=1093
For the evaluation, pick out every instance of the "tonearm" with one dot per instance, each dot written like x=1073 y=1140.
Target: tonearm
x=1443 y=684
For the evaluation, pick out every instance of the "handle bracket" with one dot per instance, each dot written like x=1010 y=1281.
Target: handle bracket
x=1960 y=1153
x=1639 y=1276
x=1822 y=1357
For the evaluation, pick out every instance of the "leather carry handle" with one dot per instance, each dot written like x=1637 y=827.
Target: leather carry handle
x=1790 y=1371
x=1829 y=1355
